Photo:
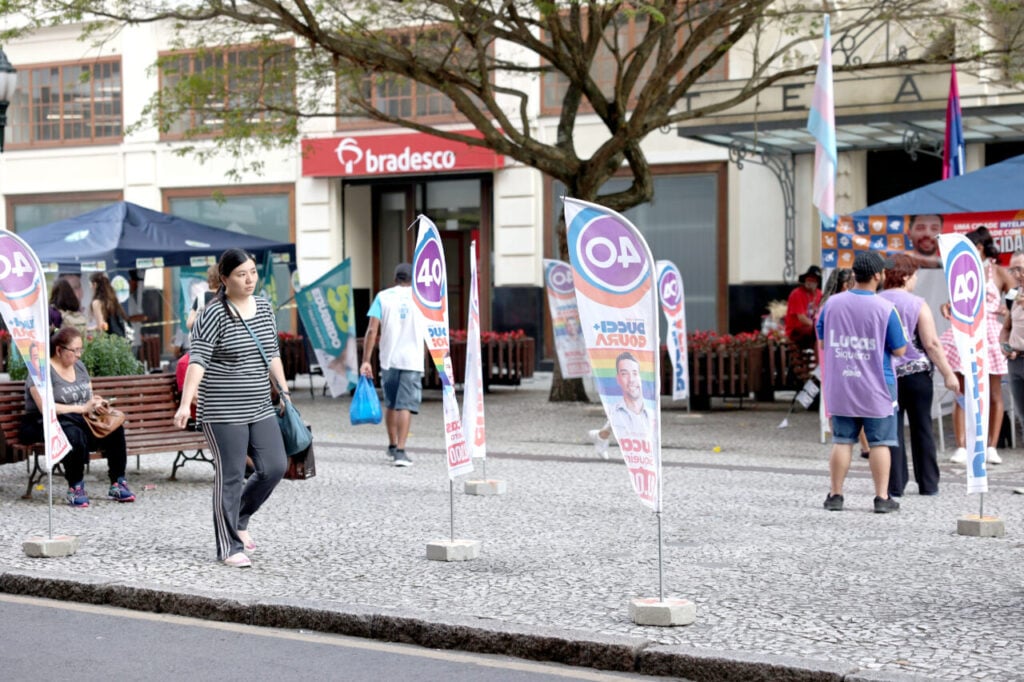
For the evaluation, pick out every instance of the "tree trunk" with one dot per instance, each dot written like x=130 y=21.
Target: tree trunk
x=566 y=390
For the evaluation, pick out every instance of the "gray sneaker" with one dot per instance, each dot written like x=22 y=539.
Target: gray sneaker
x=402 y=459
x=885 y=506
x=392 y=449
x=834 y=502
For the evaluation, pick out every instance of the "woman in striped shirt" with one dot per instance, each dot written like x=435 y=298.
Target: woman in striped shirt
x=229 y=373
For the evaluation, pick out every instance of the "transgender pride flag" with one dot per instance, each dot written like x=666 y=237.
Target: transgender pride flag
x=821 y=123
x=953 y=149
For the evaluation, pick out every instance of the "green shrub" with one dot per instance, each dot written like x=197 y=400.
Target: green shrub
x=104 y=355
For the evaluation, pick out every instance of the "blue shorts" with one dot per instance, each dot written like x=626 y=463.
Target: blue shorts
x=878 y=430
x=403 y=389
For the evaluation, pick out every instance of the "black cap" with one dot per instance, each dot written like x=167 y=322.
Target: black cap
x=813 y=271
x=403 y=272
x=867 y=264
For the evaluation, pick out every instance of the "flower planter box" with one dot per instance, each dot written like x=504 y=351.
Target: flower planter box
x=719 y=373
x=505 y=362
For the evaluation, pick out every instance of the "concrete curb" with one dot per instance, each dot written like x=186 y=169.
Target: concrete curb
x=478 y=635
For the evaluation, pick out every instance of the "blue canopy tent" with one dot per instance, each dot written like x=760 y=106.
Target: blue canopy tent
x=125 y=235
x=993 y=188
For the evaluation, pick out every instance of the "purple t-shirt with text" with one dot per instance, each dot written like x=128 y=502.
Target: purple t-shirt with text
x=859 y=331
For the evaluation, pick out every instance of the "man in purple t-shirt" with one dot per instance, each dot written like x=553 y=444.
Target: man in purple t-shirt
x=859 y=333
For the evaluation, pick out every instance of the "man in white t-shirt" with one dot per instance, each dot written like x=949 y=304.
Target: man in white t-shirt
x=392 y=318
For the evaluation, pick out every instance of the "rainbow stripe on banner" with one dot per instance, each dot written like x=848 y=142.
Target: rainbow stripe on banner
x=965 y=281
x=430 y=292
x=613 y=274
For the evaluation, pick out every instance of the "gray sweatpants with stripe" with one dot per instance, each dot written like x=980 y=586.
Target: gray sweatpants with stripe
x=234 y=498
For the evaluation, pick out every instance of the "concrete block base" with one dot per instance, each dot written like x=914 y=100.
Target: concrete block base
x=58 y=545
x=490 y=486
x=980 y=526
x=666 y=613
x=453 y=550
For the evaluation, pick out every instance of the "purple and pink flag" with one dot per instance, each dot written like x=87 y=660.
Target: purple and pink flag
x=953 y=148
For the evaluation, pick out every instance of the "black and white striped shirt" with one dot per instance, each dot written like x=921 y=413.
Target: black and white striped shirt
x=236 y=386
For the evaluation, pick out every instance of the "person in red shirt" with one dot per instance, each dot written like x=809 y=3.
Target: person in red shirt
x=802 y=307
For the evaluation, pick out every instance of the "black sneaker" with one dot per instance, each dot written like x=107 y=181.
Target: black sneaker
x=885 y=506
x=834 y=502
x=402 y=459
x=392 y=449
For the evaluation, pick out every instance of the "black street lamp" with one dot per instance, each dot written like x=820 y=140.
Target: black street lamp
x=8 y=83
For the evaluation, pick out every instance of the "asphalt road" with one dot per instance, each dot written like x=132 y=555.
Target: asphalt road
x=41 y=639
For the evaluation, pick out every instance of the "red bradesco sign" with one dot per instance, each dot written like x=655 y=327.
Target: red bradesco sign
x=402 y=154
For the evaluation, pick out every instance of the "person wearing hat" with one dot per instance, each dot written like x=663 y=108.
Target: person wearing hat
x=392 y=319
x=802 y=306
x=859 y=334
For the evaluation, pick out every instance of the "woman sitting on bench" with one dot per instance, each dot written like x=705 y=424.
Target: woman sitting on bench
x=73 y=399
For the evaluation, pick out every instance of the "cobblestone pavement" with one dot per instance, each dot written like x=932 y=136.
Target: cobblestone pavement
x=744 y=536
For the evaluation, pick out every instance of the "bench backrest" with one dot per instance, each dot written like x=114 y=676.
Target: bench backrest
x=148 y=401
x=12 y=405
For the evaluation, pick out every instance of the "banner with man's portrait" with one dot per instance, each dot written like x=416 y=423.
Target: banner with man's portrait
x=916 y=235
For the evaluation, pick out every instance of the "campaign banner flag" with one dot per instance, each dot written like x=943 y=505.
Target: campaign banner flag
x=821 y=122
x=25 y=309
x=965 y=281
x=430 y=292
x=613 y=274
x=670 y=289
x=570 y=346
x=328 y=315
x=473 y=385
x=954 y=144
x=916 y=235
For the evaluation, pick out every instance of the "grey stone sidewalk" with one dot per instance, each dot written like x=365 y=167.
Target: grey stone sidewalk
x=783 y=589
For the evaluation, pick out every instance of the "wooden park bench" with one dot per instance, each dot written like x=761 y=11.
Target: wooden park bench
x=148 y=401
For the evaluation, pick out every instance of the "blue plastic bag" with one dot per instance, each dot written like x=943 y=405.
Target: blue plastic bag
x=365 y=407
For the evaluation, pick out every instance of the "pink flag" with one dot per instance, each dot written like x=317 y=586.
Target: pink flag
x=821 y=122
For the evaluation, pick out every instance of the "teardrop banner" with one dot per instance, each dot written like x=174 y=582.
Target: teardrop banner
x=614 y=278
x=570 y=346
x=670 y=289
x=965 y=281
x=25 y=311
x=613 y=274
x=473 y=385
x=430 y=291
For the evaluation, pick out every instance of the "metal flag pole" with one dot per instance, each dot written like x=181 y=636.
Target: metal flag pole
x=981 y=506
x=451 y=507
x=661 y=574
x=483 y=467
x=49 y=510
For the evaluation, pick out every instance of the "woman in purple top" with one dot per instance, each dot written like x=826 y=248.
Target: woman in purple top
x=914 y=380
